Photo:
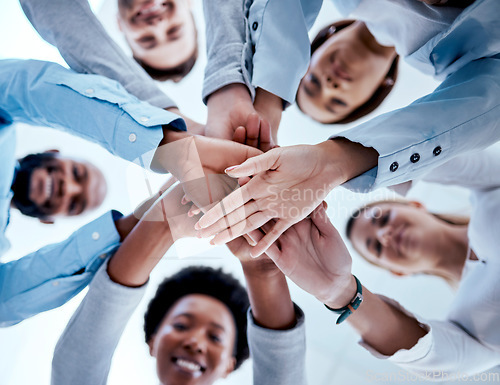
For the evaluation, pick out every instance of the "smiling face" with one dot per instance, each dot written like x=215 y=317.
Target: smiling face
x=195 y=342
x=66 y=187
x=160 y=33
x=399 y=237
x=344 y=73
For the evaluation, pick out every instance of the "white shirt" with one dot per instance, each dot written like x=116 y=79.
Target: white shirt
x=468 y=341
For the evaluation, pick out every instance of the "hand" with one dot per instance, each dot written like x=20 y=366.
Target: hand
x=256 y=133
x=288 y=183
x=168 y=208
x=228 y=109
x=261 y=267
x=269 y=107
x=199 y=163
x=312 y=254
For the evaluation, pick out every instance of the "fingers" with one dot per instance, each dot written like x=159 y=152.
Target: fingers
x=230 y=203
x=265 y=136
x=240 y=135
x=253 y=130
x=321 y=221
x=255 y=165
x=272 y=236
x=253 y=222
x=230 y=220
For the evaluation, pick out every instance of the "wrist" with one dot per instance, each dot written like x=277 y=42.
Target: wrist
x=341 y=295
x=345 y=160
x=261 y=269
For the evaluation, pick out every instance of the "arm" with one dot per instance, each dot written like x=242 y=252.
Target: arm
x=51 y=276
x=313 y=255
x=85 y=349
x=276 y=329
x=61 y=22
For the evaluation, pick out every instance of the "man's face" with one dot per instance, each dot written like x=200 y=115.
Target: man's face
x=160 y=33
x=66 y=187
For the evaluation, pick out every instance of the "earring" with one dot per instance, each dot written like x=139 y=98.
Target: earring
x=388 y=82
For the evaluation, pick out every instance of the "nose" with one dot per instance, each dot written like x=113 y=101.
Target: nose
x=71 y=187
x=331 y=81
x=195 y=343
x=384 y=235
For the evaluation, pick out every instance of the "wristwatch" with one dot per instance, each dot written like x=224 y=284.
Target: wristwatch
x=347 y=310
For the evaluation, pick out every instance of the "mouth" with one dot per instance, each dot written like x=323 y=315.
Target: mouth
x=49 y=188
x=399 y=239
x=149 y=10
x=188 y=365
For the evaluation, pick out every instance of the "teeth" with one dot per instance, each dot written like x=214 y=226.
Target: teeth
x=48 y=188
x=191 y=366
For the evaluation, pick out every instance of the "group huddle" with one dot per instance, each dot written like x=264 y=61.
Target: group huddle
x=230 y=181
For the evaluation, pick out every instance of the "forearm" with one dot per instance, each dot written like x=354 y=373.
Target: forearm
x=60 y=22
x=140 y=252
x=270 y=300
x=384 y=327
x=227 y=46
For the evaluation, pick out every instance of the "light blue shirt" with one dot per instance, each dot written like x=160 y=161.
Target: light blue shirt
x=94 y=108
x=461 y=115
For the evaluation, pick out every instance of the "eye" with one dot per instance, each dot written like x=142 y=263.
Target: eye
x=215 y=338
x=385 y=218
x=338 y=102
x=169 y=5
x=77 y=175
x=314 y=80
x=378 y=248
x=147 y=41
x=72 y=207
x=179 y=326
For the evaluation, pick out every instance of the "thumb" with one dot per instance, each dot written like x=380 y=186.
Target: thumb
x=255 y=165
x=321 y=221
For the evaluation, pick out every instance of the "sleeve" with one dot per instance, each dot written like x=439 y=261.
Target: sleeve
x=51 y=276
x=461 y=115
x=90 y=106
x=279 y=34
x=476 y=170
x=84 y=351
x=229 y=51
x=445 y=350
x=72 y=27
x=278 y=355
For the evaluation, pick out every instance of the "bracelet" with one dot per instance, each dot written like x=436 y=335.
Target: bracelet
x=347 y=310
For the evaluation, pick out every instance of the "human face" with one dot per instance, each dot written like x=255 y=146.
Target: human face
x=194 y=343
x=344 y=73
x=399 y=237
x=66 y=187
x=161 y=33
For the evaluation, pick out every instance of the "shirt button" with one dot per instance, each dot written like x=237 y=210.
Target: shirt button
x=103 y=256
x=55 y=283
x=144 y=119
x=255 y=25
x=95 y=236
x=89 y=91
x=132 y=137
x=394 y=166
x=415 y=158
x=437 y=151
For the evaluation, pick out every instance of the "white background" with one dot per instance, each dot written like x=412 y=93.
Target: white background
x=333 y=356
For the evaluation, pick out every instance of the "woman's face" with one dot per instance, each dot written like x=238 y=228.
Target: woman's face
x=194 y=343
x=343 y=74
x=161 y=33
x=398 y=237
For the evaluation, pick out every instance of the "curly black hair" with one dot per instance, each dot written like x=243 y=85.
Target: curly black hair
x=208 y=281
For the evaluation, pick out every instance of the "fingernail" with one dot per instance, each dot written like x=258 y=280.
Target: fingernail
x=197 y=226
x=183 y=201
x=230 y=168
x=198 y=234
x=212 y=242
x=190 y=214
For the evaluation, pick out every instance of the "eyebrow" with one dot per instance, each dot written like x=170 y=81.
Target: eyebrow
x=192 y=317
x=308 y=91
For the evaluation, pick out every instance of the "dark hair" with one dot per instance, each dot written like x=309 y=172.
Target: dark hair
x=380 y=93
x=22 y=182
x=208 y=281
x=175 y=73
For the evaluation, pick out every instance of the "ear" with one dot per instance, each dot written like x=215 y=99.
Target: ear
x=230 y=367
x=151 y=344
x=53 y=151
x=398 y=274
x=46 y=221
